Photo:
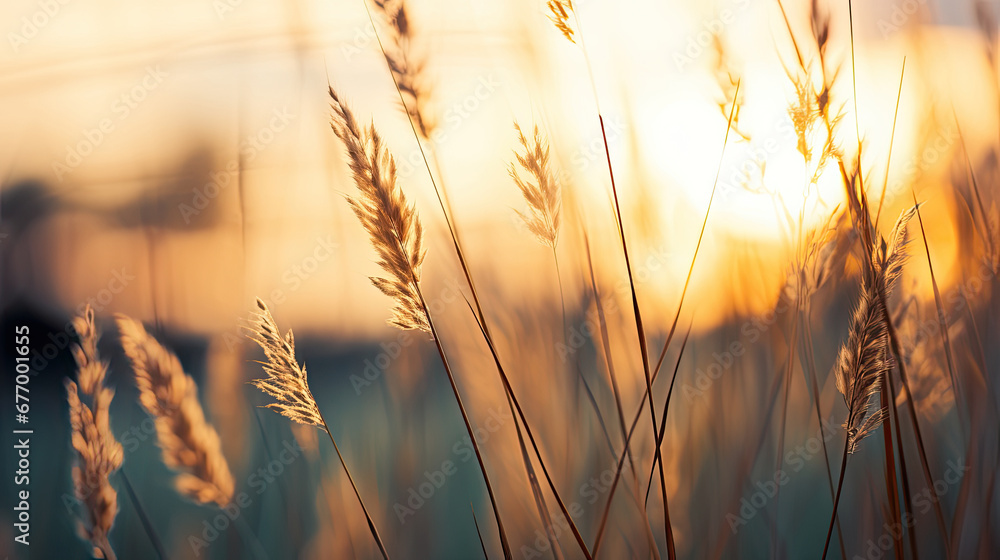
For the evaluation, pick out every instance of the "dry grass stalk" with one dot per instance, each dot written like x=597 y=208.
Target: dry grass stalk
x=804 y=112
x=90 y=370
x=864 y=358
x=543 y=196
x=987 y=23
x=391 y=222
x=286 y=382
x=808 y=112
x=188 y=443
x=396 y=234
x=559 y=13
x=98 y=452
x=812 y=107
x=407 y=68
x=99 y=455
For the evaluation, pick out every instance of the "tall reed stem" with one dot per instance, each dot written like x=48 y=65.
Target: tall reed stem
x=836 y=499
x=810 y=360
x=468 y=426
x=368 y=517
x=140 y=511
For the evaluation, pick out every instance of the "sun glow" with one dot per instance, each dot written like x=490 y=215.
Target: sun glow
x=763 y=177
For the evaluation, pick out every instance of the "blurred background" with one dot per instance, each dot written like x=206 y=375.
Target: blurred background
x=173 y=161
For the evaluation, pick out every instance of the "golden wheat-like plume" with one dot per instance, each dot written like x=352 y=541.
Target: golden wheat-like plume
x=188 y=443
x=90 y=370
x=543 y=196
x=286 y=381
x=804 y=113
x=559 y=12
x=407 y=67
x=860 y=365
x=391 y=222
x=864 y=358
x=98 y=452
x=99 y=455
x=810 y=110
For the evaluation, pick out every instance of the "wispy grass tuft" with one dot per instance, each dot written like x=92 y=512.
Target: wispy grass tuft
x=286 y=381
x=391 y=222
x=188 y=443
x=395 y=232
x=559 y=14
x=543 y=195
x=864 y=359
x=407 y=67
x=98 y=453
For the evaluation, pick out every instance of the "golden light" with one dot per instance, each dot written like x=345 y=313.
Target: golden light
x=176 y=164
